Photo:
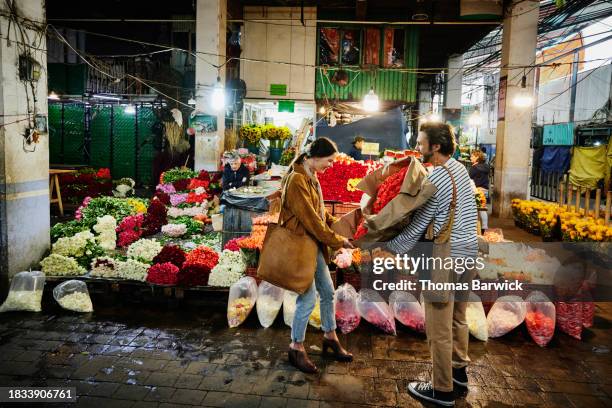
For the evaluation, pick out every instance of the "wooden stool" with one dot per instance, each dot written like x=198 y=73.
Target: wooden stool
x=54 y=184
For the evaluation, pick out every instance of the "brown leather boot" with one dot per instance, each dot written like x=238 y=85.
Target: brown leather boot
x=337 y=351
x=299 y=359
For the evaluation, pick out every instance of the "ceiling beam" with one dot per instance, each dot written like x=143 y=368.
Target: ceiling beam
x=361 y=9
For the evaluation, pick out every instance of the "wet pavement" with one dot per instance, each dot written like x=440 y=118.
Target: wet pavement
x=132 y=355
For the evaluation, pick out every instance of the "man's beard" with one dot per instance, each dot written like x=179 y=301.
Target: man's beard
x=427 y=156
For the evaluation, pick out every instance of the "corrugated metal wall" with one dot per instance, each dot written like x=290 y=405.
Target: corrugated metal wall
x=390 y=84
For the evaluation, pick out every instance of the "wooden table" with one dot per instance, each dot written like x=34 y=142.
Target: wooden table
x=54 y=182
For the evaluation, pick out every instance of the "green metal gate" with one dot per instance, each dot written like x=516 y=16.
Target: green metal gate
x=104 y=135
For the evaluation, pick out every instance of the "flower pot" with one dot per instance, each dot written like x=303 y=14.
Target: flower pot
x=277 y=143
x=275 y=154
x=253 y=147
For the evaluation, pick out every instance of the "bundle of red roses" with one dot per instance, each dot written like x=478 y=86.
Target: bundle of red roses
x=194 y=198
x=334 y=180
x=163 y=197
x=181 y=185
x=232 y=244
x=203 y=256
x=171 y=253
x=193 y=274
x=155 y=218
x=163 y=274
x=196 y=183
x=129 y=230
x=204 y=176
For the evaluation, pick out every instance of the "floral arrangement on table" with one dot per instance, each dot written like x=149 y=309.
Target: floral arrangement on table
x=144 y=250
x=92 y=208
x=67 y=229
x=104 y=267
x=124 y=187
x=176 y=174
x=229 y=270
x=82 y=247
x=250 y=245
x=132 y=270
x=155 y=218
x=250 y=133
x=85 y=182
x=163 y=274
x=107 y=235
x=335 y=180
x=60 y=265
x=139 y=206
x=232 y=245
x=197 y=266
x=174 y=230
x=130 y=230
x=203 y=256
x=172 y=254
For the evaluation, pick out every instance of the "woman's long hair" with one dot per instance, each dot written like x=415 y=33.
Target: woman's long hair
x=321 y=147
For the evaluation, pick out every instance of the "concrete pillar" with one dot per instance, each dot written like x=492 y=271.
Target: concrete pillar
x=514 y=123
x=454 y=81
x=211 y=20
x=24 y=169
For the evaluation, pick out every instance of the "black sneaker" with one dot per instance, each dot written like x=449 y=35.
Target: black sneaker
x=426 y=391
x=460 y=377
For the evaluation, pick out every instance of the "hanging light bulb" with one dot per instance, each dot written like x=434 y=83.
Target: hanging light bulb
x=322 y=110
x=217 y=99
x=523 y=99
x=53 y=96
x=191 y=101
x=129 y=110
x=370 y=102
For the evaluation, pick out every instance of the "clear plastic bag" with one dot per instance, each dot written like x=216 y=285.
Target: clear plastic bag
x=373 y=308
x=73 y=295
x=347 y=313
x=25 y=293
x=506 y=314
x=407 y=310
x=570 y=318
x=269 y=302
x=289 y=300
x=315 y=316
x=476 y=318
x=242 y=298
x=540 y=318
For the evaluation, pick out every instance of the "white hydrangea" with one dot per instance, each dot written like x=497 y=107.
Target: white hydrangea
x=144 y=250
x=106 y=229
x=229 y=270
x=73 y=246
x=60 y=265
x=132 y=270
x=104 y=267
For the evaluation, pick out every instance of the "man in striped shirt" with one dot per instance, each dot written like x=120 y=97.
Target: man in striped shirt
x=446 y=325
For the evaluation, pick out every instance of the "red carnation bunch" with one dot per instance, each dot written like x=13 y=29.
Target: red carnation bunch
x=203 y=256
x=181 y=185
x=103 y=173
x=193 y=198
x=155 y=218
x=232 y=244
x=193 y=275
x=172 y=254
x=204 y=176
x=163 y=197
x=334 y=180
x=163 y=274
x=196 y=183
x=129 y=230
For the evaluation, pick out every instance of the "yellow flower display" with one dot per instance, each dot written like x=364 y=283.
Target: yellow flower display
x=138 y=207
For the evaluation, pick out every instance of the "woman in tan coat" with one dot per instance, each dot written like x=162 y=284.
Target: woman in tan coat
x=304 y=212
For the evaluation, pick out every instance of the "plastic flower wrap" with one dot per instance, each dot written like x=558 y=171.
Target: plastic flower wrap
x=106 y=229
x=163 y=274
x=242 y=298
x=171 y=253
x=104 y=267
x=347 y=313
x=269 y=302
x=507 y=313
x=570 y=318
x=204 y=256
x=289 y=305
x=144 y=250
x=232 y=245
x=407 y=310
x=132 y=270
x=375 y=310
x=229 y=270
x=73 y=295
x=60 y=265
x=129 y=230
x=476 y=318
x=25 y=293
x=540 y=318
x=174 y=230
x=167 y=188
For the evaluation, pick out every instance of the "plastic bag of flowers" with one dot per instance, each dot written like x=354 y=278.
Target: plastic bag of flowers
x=25 y=293
x=59 y=265
x=289 y=304
x=229 y=270
x=104 y=267
x=347 y=313
x=506 y=314
x=375 y=310
x=476 y=318
x=315 y=316
x=242 y=298
x=540 y=318
x=407 y=310
x=73 y=295
x=269 y=302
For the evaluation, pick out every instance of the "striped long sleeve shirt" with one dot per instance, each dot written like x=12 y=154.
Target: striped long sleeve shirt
x=463 y=238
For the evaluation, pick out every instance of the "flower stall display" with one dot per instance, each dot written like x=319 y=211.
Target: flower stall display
x=192 y=226
x=177 y=174
x=155 y=218
x=171 y=253
x=73 y=295
x=250 y=134
x=229 y=270
x=82 y=246
x=376 y=311
x=335 y=180
x=232 y=245
x=104 y=267
x=25 y=293
x=347 y=312
x=124 y=187
x=67 y=229
x=130 y=230
x=287 y=156
x=289 y=305
x=174 y=230
x=144 y=250
x=132 y=270
x=242 y=298
x=60 y=265
x=269 y=302
x=163 y=274
x=396 y=155
x=178 y=198
x=204 y=256
x=98 y=207
x=540 y=318
x=167 y=188
x=139 y=206
x=506 y=314
x=476 y=318
x=107 y=235
x=197 y=266
x=196 y=210
x=407 y=310
x=85 y=182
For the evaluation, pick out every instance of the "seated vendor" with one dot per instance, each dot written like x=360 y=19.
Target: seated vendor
x=355 y=151
x=235 y=174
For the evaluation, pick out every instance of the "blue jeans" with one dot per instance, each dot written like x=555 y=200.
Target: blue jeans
x=306 y=302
